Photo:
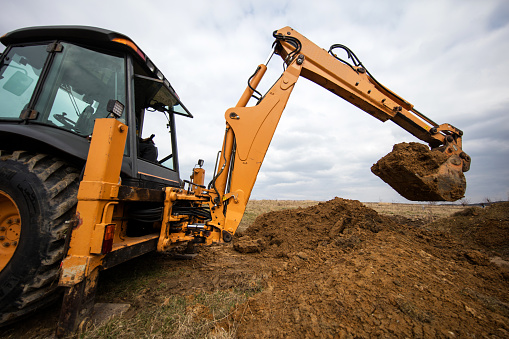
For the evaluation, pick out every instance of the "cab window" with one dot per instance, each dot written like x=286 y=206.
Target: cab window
x=78 y=87
x=19 y=71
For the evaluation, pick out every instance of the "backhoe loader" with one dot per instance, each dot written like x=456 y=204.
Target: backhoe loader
x=84 y=188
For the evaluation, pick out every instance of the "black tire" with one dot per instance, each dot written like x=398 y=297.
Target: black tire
x=45 y=190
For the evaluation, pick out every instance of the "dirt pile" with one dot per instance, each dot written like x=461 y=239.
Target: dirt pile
x=339 y=269
x=339 y=221
x=419 y=174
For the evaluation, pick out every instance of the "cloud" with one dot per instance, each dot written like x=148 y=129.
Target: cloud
x=446 y=57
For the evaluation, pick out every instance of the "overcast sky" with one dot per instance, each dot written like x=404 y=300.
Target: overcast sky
x=448 y=58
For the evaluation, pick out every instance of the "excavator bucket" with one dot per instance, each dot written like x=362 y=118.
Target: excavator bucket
x=419 y=174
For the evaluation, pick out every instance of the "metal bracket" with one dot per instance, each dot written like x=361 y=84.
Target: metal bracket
x=28 y=114
x=55 y=47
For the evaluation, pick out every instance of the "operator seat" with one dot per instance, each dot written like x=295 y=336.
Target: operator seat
x=85 y=123
x=147 y=148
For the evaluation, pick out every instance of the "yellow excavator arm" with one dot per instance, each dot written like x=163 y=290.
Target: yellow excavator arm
x=249 y=130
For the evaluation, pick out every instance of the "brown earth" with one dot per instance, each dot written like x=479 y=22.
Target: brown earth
x=419 y=174
x=340 y=269
x=334 y=270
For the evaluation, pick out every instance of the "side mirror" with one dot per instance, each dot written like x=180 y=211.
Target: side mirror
x=18 y=83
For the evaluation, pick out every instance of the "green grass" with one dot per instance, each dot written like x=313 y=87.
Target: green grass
x=126 y=281
x=158 y=311
x=202 y=315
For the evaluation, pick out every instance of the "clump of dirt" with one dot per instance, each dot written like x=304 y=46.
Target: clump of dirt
x=415 y=157
x=339 y=269
x=412 y=169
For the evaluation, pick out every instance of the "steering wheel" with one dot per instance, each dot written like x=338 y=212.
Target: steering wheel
x=61 y=118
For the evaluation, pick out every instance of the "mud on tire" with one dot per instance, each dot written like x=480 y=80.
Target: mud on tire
x=44 y=189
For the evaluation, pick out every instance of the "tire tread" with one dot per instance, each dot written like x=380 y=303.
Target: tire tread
x=60 y=181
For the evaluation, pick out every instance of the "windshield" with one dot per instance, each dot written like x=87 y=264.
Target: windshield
x=151 y=92
x=78 y=87
x=19 y=71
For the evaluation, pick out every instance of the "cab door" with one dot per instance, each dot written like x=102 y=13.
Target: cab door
x=156 y=151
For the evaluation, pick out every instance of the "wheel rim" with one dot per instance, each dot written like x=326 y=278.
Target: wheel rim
x=10 y=228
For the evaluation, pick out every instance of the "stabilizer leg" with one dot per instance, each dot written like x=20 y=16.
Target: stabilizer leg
x=77 y=306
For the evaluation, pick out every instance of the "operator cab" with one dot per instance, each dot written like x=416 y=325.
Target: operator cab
x=55 y=81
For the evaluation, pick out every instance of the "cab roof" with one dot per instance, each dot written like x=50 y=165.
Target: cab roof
x=78 y=34
x=85 y=34
x=88 y=35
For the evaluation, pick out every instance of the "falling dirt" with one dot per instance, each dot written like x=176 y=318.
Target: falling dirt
x=419 y=174
x=334 y=270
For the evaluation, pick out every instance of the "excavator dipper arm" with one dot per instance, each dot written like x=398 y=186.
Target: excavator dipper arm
x=355 y=84
x=249 y=130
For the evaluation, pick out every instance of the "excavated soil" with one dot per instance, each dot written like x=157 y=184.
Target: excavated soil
x=411 y=168
x=340 y=270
